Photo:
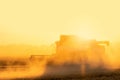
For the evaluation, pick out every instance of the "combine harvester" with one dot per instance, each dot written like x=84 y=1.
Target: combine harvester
x=75 y=56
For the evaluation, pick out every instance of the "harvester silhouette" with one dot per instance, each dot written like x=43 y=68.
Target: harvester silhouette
x=75 y=55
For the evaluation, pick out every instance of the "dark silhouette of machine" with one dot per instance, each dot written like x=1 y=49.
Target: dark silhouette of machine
x=73 y=49
x=76 y=55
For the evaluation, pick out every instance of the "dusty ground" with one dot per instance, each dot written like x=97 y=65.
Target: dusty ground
x=111 y=75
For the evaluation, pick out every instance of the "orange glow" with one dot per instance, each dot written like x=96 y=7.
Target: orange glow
x=25 y=25
x=43 y=22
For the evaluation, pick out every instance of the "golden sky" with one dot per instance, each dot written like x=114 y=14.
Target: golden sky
x=42 y=21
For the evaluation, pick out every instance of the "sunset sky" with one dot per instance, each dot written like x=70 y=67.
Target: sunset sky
x=39 y=22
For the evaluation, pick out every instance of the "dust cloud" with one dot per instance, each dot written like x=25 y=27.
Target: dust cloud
x=59 y=64
x=30 y=70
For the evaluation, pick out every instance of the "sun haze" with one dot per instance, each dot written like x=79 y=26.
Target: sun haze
x=42 y=21
x=27 y=24
x=59 y=36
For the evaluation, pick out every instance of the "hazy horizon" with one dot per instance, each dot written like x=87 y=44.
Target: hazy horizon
x=41 y=22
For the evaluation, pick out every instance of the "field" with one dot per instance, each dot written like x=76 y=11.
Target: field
x=21 y=65
x=111 y=75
